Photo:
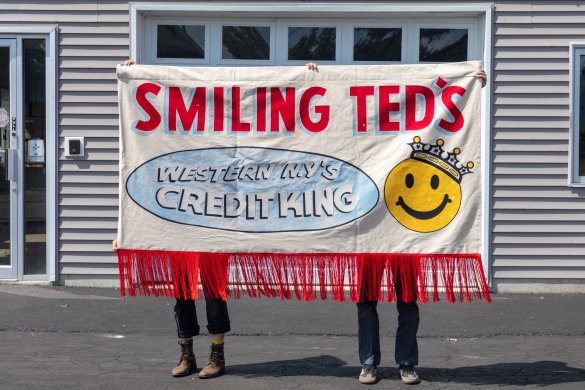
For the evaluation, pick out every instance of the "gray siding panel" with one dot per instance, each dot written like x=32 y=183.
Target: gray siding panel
x=86 y=212
x=543 y=216
x=87 y=189
x=104 y=131
x=96 y=166
x=521 y=53
x=105 y=62
x=93 y=177
x=87 y=224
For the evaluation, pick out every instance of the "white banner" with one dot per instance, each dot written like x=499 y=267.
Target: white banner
x=284 y=160
x=290 y=160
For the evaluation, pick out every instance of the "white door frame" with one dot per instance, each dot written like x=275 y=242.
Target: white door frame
x=17 y=34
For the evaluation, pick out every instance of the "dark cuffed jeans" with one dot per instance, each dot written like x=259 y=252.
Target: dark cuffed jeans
x=218 y=320
x=406 y=347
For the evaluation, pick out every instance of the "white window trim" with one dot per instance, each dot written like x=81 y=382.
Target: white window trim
x=484 y=12
x=577 y=49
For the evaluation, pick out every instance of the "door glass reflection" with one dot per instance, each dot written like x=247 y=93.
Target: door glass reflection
x=35 y=238
x=4 y=144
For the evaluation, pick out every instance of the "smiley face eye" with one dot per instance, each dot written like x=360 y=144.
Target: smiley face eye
x=435 y=182
x=409 y=180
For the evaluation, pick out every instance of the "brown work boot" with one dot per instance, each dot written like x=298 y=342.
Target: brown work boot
x=187 y=364
x=215 y=366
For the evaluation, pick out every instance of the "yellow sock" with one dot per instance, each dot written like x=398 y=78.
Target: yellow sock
x=216 y=341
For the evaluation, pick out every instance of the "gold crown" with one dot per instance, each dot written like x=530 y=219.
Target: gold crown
x=438 y=157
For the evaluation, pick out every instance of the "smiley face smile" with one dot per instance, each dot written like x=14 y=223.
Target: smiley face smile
x=424 y=215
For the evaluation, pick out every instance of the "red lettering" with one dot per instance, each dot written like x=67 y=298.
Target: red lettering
x=447 y=99
x=361 y=94
x=305 y=105
x=428 y=108
x=218 y=109
x=385 y=107
x=281 y=107
x=261 y=109
x=186 y=116
x=237 y=124
x=153 y=115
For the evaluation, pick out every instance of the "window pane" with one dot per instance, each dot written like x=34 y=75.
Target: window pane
x=443 y=45
x=245 y=43
x=35 y=227
x=180 y=41
x=377 y=44
x=4 y=144
x=582 y=116
x=311 y=43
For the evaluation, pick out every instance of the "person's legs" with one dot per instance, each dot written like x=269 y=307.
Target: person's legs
x=218 y=319
x=368 y=333
x=406 y=347
x=186 y=318
x=368 y=340
x=187 y=327
x=218 y=323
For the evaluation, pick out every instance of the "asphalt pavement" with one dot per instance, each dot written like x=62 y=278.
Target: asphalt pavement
x=91 y=338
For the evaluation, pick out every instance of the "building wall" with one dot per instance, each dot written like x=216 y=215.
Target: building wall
x=93 y=38
x=88 y=190
x=537 y=222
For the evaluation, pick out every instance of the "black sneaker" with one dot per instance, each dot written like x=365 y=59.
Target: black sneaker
x=408 y=375
x=368 y=374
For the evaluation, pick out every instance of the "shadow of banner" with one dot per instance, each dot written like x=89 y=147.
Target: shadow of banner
x=542 y=373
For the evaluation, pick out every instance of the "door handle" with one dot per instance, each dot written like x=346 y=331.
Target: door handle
x=10 y=159
x=3 y=162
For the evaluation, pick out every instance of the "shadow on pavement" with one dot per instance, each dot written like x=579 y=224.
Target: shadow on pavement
x=324 y=365
x=543 y=373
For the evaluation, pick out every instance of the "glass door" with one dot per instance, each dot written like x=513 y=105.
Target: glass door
x=8 y=161
x=33 y=182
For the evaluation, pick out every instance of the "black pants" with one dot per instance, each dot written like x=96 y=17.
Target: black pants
x=218 y=320
x=406 y=346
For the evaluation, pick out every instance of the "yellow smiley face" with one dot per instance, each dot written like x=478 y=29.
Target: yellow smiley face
x=421 y=196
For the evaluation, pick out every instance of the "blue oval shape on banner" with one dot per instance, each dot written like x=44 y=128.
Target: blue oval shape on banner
x=251 y=189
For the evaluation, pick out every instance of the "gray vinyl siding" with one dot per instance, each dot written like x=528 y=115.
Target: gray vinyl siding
x=88 y=191
x=538 y=222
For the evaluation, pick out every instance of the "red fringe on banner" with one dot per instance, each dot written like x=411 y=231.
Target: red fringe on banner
x=368 y=276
